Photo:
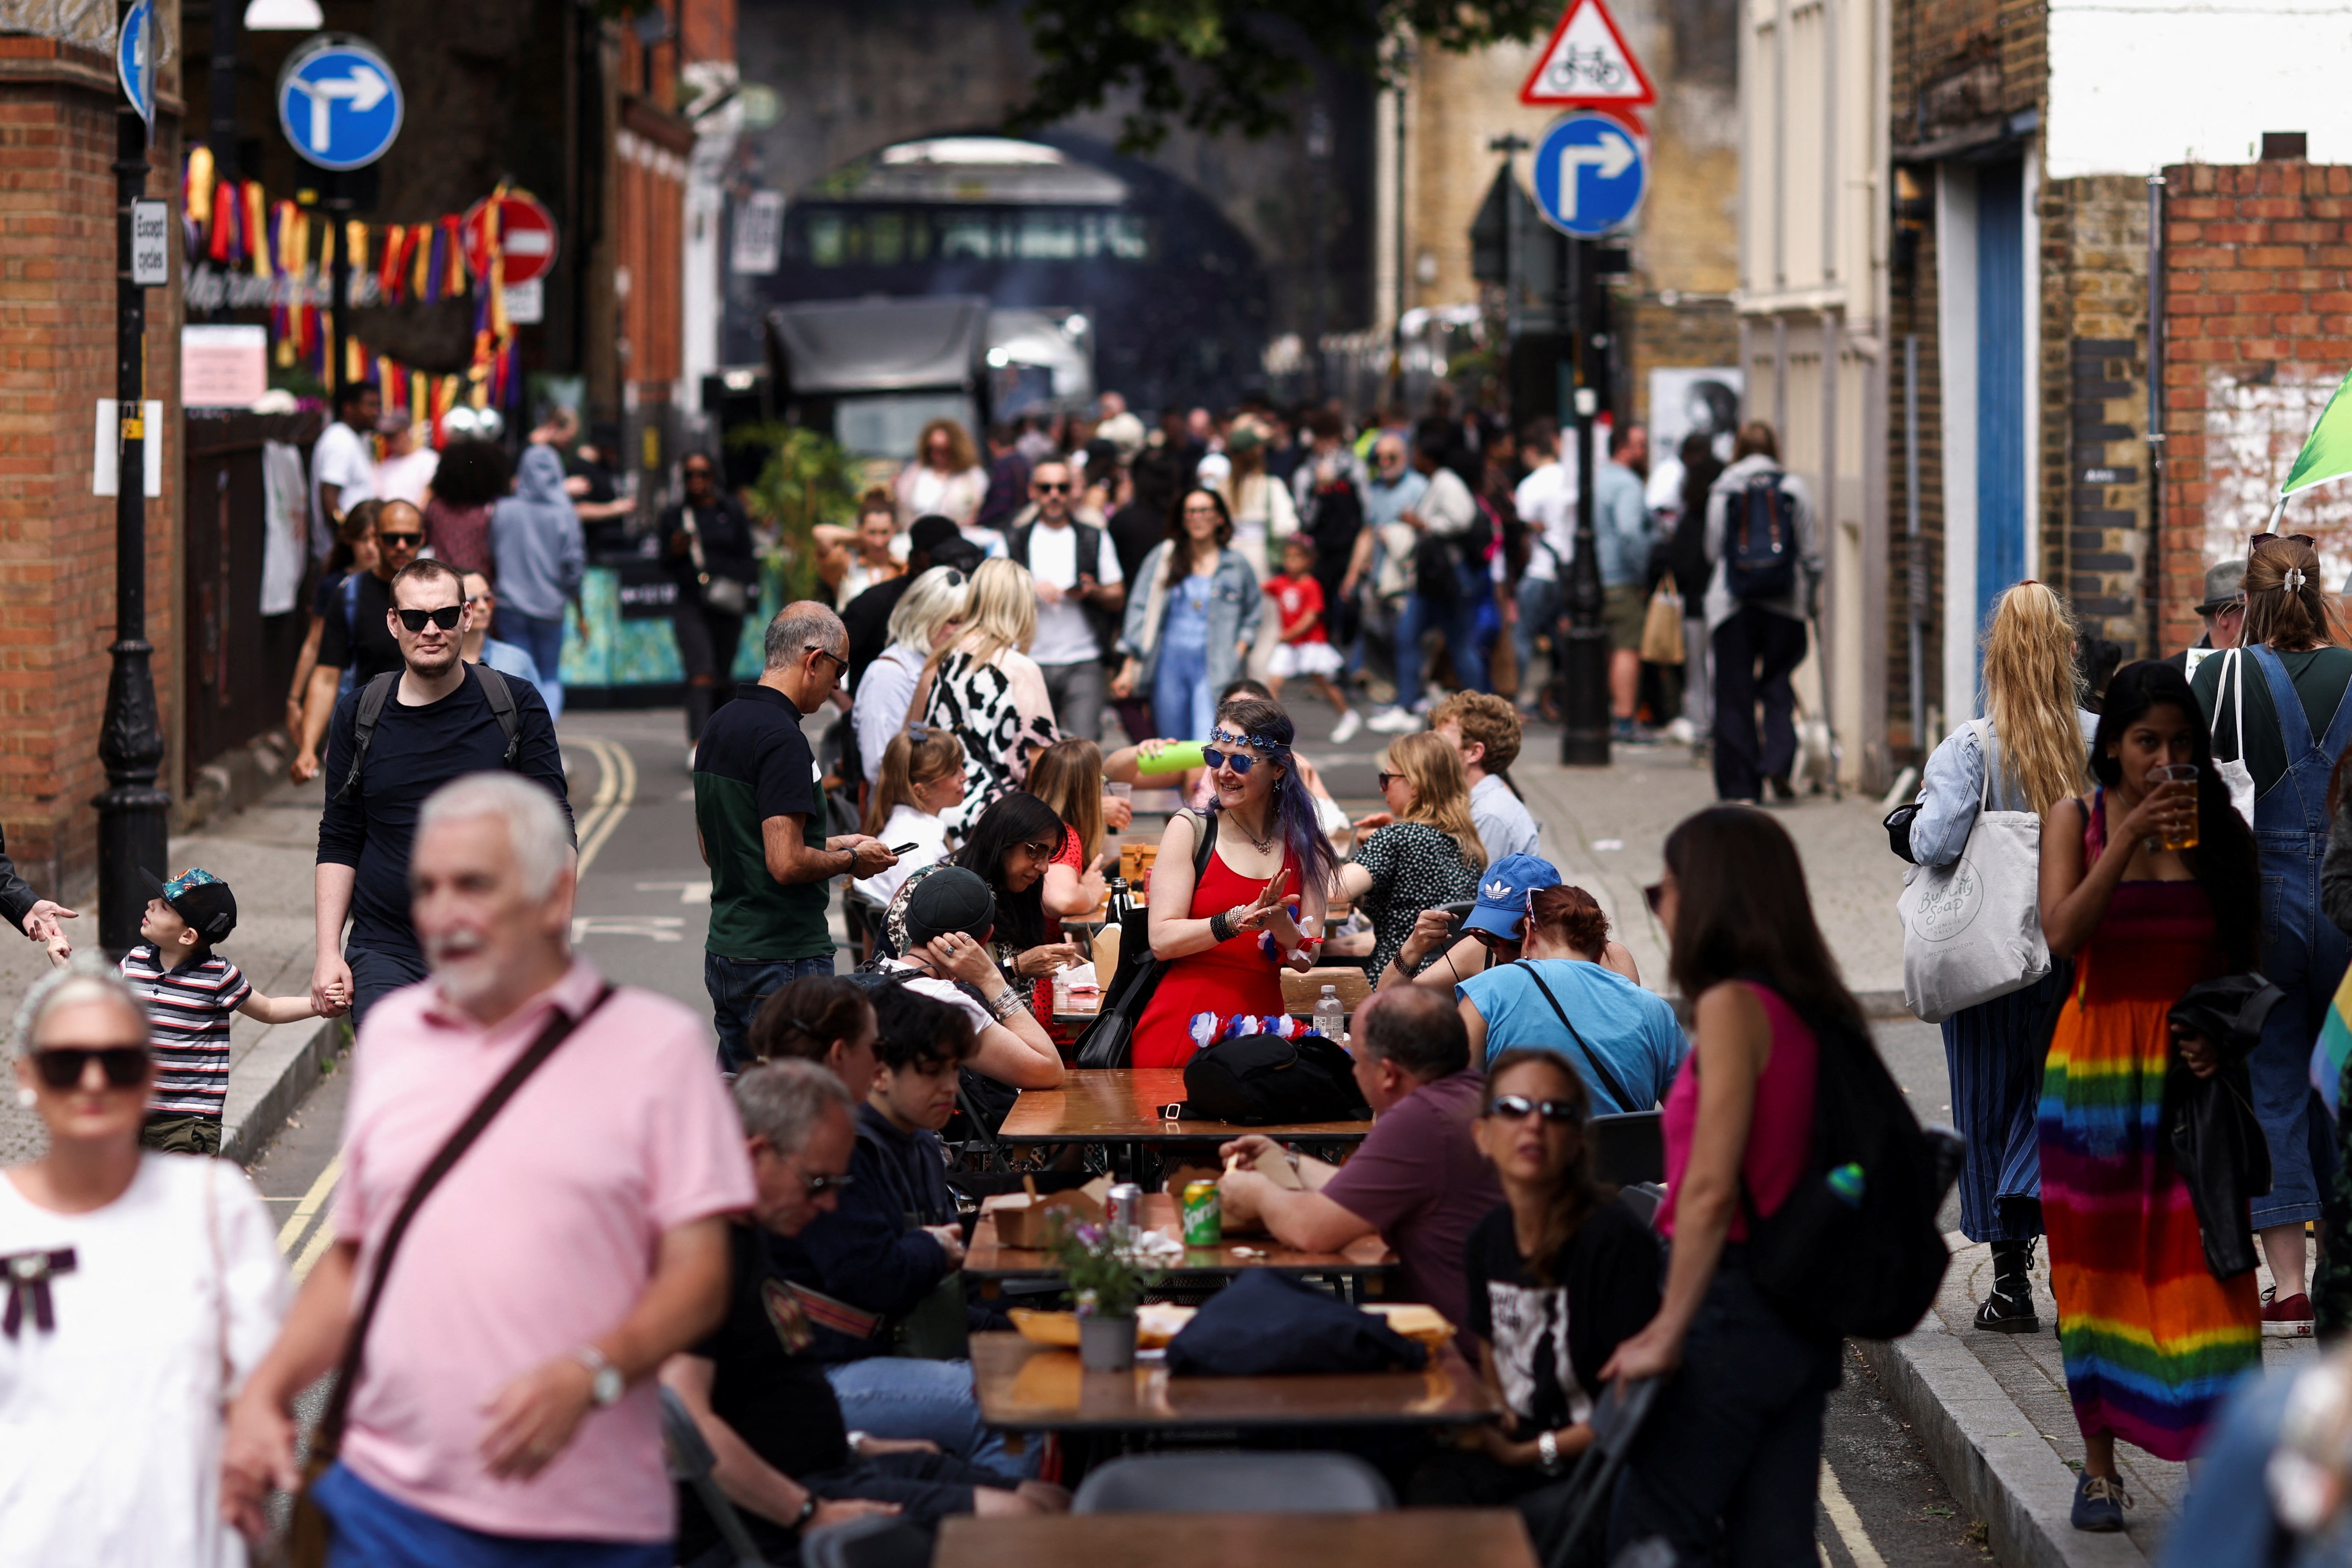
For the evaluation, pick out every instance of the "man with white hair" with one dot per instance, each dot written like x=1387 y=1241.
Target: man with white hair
x=760 y=814
x=495 y=1398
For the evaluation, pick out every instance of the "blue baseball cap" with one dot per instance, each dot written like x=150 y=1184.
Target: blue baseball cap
x=1503 y=894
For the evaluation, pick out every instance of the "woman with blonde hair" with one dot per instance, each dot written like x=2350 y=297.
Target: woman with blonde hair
x=1069 y=776
x=2295 y=686
x=2027 y=755
x=985 y=688
x=925 y=620
x=921 y=776
x=945 y=480
x=1423 y=850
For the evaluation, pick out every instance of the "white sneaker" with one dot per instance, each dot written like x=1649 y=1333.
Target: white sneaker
x=1679 y=732
x=1393 y=721
x=1349 y=722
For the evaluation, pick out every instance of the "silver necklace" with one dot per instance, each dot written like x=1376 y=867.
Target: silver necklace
x=1263 y=846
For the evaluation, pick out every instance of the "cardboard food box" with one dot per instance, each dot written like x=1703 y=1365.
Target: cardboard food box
x=1025 y=1219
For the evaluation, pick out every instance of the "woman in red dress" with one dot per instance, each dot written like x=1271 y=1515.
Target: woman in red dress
x=1270 y=859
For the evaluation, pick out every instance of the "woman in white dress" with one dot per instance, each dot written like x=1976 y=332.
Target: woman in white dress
x=141 y=1288
x=944 y=480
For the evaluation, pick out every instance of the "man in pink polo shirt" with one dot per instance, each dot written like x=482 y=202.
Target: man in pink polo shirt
x=506 y=1411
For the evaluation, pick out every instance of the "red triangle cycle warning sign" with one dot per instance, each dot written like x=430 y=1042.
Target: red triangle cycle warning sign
x=1588 y=62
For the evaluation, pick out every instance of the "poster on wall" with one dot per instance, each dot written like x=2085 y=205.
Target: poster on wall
x=1694 y=400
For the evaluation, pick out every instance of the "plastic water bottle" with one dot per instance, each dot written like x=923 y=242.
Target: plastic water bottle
x=1330 y=1018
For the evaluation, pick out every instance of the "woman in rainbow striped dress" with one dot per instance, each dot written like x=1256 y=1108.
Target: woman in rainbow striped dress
x=2152 y=1341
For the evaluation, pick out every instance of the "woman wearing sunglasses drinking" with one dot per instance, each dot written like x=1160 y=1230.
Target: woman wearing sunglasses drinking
x=1268 y=874
x=1555 y=1279
x=2296 y=684
x=139 y=1288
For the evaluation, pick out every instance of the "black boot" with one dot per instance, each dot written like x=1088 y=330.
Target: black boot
x=2009 y=1308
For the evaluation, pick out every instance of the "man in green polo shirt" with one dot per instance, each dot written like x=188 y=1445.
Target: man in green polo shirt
x=760 y=811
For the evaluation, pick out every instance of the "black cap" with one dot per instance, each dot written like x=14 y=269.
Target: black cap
x=950 y=898
x=930 y=533
x=199 y=897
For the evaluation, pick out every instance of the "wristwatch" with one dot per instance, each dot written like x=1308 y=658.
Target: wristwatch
x=1548 y=1449
x=605 y=1382
x=807 y=1513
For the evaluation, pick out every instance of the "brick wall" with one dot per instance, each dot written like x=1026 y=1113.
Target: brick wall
x=2257 y=331
x=2093 y=489
x=57 y=540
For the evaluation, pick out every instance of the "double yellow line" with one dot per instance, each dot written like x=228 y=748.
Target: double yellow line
x=616 y=791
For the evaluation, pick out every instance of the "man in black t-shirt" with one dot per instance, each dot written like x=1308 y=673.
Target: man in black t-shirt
x=356 y=635
x=785 y=1459
x=437 y=724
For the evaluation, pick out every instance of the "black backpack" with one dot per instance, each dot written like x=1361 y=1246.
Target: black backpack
x=377 y=692
x=1760 y=547
x=1107 y=623
x=1259 y=1079
x=1841 y=1262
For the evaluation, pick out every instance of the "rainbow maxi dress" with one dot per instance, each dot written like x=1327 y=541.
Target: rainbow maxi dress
x=2151 y=1340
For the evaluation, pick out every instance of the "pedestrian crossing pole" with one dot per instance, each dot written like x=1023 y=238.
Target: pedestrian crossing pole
x=133 y=833
x=1581 y=648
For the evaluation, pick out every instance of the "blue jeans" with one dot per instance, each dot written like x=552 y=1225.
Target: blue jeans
x=1182 y=706
x=902 y=1396
x=2227 y=1521
x=1538 y=608
x=373 y=1531
x=378 y=972
x=542 y=639
x=1458 y=621
x=738 y=987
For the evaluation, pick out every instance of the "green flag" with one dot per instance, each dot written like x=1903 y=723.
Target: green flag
x=2327 y=454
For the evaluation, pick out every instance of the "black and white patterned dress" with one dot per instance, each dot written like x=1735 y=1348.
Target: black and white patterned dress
x=999 y=710
x=1414 y=866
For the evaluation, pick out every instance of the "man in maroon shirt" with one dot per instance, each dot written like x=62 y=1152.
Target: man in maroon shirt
x=1419 y=1179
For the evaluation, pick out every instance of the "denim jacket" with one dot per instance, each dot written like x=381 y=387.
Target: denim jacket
x=1234 y=608
x=1954 y=781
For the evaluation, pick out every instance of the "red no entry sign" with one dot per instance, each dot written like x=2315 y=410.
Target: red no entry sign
x=526 y=238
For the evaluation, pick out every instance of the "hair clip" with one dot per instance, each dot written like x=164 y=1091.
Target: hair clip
x=2295 y=579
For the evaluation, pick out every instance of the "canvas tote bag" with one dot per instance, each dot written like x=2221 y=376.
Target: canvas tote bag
x=1972 y=929
x=2235 y=772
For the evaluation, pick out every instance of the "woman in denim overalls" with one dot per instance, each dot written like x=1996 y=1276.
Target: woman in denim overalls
x=2292 y=679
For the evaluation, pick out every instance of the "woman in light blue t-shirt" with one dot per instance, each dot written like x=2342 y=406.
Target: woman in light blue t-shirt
x=1623 y=1041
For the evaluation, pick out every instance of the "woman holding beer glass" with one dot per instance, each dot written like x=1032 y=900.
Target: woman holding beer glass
x=2296 y=721
x=2149 y=886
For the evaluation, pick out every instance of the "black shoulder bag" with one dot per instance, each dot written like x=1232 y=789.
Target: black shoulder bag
x=1109 y=1040
x=307 y=1534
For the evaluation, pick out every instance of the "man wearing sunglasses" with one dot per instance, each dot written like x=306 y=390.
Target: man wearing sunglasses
x=361 y=639
x=1081 y=592
x=437 y=722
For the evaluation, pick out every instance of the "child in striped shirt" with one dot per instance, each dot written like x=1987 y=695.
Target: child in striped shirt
x=190 y=991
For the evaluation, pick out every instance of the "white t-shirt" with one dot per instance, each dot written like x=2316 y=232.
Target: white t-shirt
x=907 y=825
x=1063 y=635
x=1545 y=501
x=949 y=991
x=110 y=1420
x=343 y=456
x=405 y=479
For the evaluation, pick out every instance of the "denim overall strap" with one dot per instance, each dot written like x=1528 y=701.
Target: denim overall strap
x=2298 y=803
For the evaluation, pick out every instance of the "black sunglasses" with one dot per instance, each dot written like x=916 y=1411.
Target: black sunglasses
x=2262 y=539
x=1381 y=780
x=1240 y=761
x=1654 y=895
x=818 y=1186
x=1519 y=1108
x=62 y=1067
x=826 y=653
x=446 y=617
x=399 y=540
x=1052 y=490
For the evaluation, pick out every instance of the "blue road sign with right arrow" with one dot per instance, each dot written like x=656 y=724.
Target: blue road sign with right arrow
x=339 y=102
x=1590 y=172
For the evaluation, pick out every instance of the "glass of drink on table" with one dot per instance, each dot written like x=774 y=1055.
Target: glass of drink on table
x=2182 y=835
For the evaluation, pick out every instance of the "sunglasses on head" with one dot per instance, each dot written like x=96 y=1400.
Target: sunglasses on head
x=126 y=1066
x=2262 y=539
x=446 y=617
x=1519 y=1108
x=400 y=541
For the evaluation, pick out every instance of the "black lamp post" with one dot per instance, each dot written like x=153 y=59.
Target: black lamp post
x=1582 y=645
x=132 y=830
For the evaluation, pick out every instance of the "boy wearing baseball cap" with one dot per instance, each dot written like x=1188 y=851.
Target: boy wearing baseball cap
x=190 y=991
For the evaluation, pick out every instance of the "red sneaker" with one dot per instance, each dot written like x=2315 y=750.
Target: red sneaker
x=2288 y=1320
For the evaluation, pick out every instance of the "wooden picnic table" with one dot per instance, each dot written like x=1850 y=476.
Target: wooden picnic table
x=1031 y=1387
x=1123 y=1105
x=985 y=1259
x=1407 y=1538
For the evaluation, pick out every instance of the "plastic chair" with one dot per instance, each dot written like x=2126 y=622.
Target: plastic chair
x=876 y=1541
x=1628 y=1148
x=1616 y=1422
x=1235 y=1483
x=690 y=1460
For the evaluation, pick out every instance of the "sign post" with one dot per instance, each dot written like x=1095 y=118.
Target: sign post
x=131 y=809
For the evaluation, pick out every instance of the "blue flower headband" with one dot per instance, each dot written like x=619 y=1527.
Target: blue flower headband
x=1266 y=744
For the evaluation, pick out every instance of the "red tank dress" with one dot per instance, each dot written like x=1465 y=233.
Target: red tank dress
x=1235 y=976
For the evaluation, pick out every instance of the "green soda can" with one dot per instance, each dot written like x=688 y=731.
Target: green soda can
x=1204 y=1216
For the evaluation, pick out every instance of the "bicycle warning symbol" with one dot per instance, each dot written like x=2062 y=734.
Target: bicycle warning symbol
x=1587 y=62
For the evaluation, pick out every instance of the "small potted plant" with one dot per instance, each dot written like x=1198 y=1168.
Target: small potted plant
x=1107 y=1280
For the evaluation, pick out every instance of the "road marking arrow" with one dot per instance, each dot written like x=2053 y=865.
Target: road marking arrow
x=364 y=89
x=1612 y=155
